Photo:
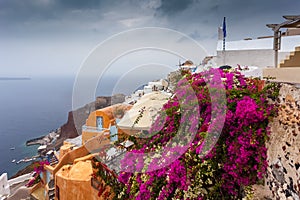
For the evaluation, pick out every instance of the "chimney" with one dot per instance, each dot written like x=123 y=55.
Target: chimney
x=220 y=33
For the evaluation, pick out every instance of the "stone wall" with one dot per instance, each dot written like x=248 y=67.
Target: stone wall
x=173 y=79
x=258 y=57
x=283 y=178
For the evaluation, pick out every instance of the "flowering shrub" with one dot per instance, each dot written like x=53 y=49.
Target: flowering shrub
x=32 y=181
x=37 y=171
x=207 y=164
x=41 y=167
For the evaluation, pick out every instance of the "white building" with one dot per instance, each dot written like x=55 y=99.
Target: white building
x=254 y=52
x=152 y=86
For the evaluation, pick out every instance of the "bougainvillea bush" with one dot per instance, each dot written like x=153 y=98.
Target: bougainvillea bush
x=38 y=169
x=221 y=158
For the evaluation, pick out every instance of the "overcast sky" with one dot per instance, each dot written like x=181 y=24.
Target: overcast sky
x=39 y=37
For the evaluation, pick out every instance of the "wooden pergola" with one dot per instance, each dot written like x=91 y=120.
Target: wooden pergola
x=292 y=21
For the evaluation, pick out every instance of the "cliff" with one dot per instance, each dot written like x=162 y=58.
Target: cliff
x=71 y=129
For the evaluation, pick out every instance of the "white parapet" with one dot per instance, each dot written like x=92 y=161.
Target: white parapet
x=253 y=71
x=19 y=179
x=286 y=74
x=4 y=186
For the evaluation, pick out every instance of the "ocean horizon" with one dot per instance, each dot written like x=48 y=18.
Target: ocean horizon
x=35 y=106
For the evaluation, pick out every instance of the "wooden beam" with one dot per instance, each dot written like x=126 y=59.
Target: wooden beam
x=293 y=21
x=294 y=24
x=291 y=17
x=272 y=25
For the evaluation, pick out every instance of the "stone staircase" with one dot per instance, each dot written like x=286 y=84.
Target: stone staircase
x=292 y=60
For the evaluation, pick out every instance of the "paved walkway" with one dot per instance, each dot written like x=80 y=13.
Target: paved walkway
x=19 y=192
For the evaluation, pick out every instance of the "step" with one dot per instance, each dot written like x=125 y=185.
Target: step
x=289 y=57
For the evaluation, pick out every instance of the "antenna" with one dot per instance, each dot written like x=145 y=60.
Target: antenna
x=179 y=63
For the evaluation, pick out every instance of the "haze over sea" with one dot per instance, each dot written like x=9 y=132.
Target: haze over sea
x=31 y=108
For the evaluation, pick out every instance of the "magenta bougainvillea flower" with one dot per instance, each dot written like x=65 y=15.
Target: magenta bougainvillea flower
x=38 y=170
x=238 y=158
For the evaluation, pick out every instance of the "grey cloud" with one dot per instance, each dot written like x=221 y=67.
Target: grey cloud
x=200 y=19
x=38 y=18
x=84 y=23
x=18 y=11
x=175 y=6
x=79 y=4
x=15 y=11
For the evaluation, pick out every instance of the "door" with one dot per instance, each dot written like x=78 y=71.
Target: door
x=113 y=133
x=99 y=123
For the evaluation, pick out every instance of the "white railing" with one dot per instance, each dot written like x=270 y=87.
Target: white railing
x=19 y=179
x=93 y=129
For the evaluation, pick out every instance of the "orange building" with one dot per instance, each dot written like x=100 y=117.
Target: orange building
x=104 y=121
x=71 y=176
x=74 y=181
x=45 y=190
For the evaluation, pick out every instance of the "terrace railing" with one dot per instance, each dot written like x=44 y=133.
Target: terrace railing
x=93 y=129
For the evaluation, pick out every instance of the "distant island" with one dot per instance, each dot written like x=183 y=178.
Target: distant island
x=14 y=78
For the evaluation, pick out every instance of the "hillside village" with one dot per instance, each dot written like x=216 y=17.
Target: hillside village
x=91 y=165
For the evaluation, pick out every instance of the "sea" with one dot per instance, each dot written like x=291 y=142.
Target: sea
x=30 y=108
x=33 y=107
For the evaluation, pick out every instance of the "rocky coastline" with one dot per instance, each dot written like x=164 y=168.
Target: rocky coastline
x=35 y=141
x=44 y=140
x=55 y=138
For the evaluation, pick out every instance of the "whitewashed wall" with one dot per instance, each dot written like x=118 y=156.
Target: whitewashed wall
x=258 y=57
x=4 y=186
